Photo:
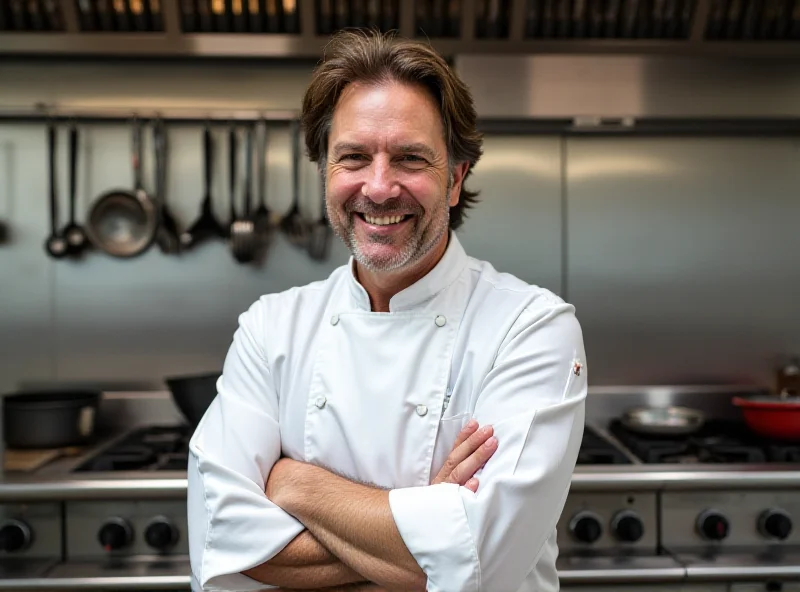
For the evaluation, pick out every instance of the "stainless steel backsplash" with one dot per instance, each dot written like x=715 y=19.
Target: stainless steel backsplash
x=681 y=254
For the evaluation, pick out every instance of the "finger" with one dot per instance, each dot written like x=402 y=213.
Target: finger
x=467 y=469
x=472 y=485
x=470 y=445
x=462 y=452
x=465 y=433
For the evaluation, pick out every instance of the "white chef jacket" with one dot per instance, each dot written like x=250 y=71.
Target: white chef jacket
x=315 y=375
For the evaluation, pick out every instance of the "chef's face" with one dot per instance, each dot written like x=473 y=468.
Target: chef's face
x=389 y=185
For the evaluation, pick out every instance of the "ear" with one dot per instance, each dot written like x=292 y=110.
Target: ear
x=459 y=173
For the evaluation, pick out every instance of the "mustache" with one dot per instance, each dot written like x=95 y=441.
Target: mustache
x=392 y=206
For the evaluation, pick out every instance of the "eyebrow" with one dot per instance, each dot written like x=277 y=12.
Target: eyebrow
x=418 y=148
x=341 y=147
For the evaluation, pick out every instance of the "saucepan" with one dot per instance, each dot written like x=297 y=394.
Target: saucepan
x=49 y=419
x=773 y=416
x=193 y=394
x=663 y=421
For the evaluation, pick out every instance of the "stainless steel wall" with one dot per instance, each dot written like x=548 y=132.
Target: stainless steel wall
x=140 y=320
x=684 y=256
x=681 y=254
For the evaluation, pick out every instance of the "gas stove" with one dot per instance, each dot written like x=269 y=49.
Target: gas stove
x=717 y=442
x=643 y=513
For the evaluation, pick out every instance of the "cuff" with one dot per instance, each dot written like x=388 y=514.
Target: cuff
x=434 y=527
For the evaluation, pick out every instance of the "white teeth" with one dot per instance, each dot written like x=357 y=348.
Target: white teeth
x=383 y=221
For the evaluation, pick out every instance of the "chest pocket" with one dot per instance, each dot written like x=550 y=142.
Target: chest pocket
x=376 y=395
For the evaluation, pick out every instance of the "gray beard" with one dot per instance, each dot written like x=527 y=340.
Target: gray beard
x=421 y=242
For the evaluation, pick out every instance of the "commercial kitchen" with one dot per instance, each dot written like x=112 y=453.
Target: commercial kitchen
x=641 y=160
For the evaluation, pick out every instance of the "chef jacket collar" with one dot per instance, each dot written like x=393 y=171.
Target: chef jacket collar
x=440 y=277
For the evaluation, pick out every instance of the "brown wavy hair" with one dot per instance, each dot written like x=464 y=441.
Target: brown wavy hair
x=372 y=57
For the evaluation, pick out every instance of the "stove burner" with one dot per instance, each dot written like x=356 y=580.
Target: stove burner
x=595 y=450
x=153 y=448
x=718 y=442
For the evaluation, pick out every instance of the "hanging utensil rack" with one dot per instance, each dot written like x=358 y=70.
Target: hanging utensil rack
x=43 y=112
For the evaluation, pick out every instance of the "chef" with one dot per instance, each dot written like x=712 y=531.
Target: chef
x=411 y=422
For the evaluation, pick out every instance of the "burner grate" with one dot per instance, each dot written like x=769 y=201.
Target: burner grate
x=718 y=442
x=595 y=450
x=152 y=448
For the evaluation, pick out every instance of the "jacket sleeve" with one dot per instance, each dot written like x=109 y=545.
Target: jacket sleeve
x=534 y=397
x=232 y=524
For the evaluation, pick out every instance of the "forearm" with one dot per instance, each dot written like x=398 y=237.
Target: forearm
x=355 y=523
x=304 y=564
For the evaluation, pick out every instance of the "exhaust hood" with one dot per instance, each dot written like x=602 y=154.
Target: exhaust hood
x=299 y=28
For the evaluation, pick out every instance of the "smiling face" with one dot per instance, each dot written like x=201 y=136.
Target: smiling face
x=388 y=183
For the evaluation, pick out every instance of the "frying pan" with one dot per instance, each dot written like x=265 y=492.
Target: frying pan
x=773 y=416
x=663 y=421
x=193 y=394
x=121 y=222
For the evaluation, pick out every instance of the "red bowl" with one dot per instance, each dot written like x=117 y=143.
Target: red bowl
x=773 y=419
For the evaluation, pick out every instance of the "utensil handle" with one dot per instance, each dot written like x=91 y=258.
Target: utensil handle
x=295 y=129
x=248 y=172
x=208 y=148
x=137 y=155
x=73 y=165
x=232 y=165
x=160 y=146
x=51 y=144
x=262 y=165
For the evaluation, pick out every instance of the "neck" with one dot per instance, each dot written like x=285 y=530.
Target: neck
x=382 y=286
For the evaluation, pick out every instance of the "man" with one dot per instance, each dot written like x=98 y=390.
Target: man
x=321 y=463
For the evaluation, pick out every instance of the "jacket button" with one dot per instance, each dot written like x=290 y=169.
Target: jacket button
x=320 y=402
x=334 y=319
x=440 y=321
x=422 y=410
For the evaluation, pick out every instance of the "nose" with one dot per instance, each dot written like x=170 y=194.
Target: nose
x=381 y=182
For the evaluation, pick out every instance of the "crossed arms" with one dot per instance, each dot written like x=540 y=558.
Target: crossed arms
x=441 y=536
x=355 y=522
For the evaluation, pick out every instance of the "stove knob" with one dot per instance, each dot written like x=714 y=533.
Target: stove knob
x=585 y=527
x=161 y=534
x=115 y=534
x=14 y=536
x=775 y=524
x=713 y=525
x=627 y=526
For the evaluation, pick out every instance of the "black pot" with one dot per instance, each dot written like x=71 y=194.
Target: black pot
x=193 y=394
x=46 y=419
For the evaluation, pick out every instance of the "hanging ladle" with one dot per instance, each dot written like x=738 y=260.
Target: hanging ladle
x=167 y=236
x=206 y=226
x=262 y=217
x=56 y=244
x=242 y=237
x=293 y=224
x=73 y=232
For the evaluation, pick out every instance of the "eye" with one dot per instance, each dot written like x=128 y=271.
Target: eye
x=413 y=161
x=352 y=157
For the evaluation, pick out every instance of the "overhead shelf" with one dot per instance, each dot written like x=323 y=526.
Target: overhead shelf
x=301 y=28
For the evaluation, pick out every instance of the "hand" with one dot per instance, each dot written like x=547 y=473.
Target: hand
x=471 y=450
